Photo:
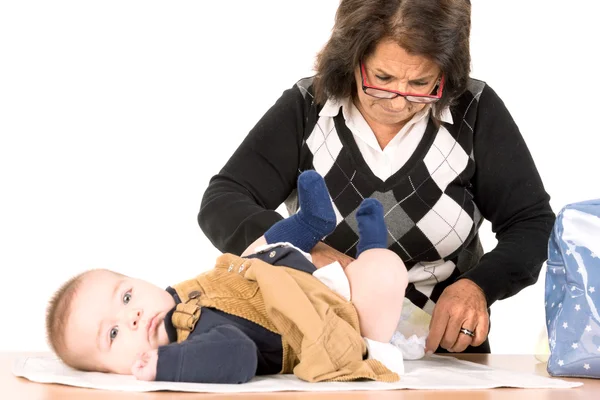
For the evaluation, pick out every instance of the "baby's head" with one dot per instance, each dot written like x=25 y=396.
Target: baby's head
x=101 y=320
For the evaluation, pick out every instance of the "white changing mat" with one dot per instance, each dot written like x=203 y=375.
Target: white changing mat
x=436 y=372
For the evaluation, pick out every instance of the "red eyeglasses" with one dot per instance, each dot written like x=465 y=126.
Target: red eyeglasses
x=381 y=93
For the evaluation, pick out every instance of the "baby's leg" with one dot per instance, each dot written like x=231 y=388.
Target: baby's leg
x=378 y=280
x=315 y=219
x=378 y=277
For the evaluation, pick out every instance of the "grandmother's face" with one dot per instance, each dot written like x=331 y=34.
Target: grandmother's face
x=391 y=67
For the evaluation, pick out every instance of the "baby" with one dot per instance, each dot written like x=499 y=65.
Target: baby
x=104 y=321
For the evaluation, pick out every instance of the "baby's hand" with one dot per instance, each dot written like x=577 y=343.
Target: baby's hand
x=144 y=368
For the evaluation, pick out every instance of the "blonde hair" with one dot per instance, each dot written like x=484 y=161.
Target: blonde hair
x=58 y=311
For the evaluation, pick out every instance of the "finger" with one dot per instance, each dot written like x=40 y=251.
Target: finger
x=146 y=357
x=463 y=340
x=483 y=328
x=437 y=327
x=451 y=334
x=136 y=368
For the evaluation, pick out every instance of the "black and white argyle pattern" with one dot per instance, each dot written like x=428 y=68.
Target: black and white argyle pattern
x=429 y=209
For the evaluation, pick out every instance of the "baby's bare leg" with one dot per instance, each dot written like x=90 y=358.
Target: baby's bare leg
x=378 y=277
x=378 y=280
x=261 y=241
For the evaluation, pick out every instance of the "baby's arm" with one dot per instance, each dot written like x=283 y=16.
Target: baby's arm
x=224 y=354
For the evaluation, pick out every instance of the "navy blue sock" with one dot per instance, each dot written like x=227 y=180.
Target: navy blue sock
x=314 y=221
x=372 y=231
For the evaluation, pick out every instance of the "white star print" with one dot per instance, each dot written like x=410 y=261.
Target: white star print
x=559 y=305
x=574 y=345
x=594 y=255
x=592 y=289
x=577 y=307
x=598 y=348
x=552 y=305
x=561 y=362
x=548 y=322
x=588 y=328
x=580 y=270
x=573 y=288
x=565 y=325
x=569 y=252
x=553 y=287
x=586 y=366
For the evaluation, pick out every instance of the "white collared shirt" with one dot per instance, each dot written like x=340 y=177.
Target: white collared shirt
x=383 y=162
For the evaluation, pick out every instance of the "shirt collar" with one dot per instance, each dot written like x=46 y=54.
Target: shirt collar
x=332 y=107
x=446 y=116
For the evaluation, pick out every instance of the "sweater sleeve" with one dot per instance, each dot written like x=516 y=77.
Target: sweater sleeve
x=223 y=354
x=509 y=193
x=238 y=205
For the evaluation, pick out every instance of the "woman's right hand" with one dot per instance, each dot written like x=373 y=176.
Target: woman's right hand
x=323 y=254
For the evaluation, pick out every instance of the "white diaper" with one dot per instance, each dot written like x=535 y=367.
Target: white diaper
x=412 y=330
x=386 y=353
x=333 y=276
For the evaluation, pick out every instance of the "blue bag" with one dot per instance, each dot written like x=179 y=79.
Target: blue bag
x=573 y=292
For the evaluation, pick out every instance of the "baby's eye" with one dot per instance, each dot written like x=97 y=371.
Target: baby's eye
x=113 y=333
x=126 y=297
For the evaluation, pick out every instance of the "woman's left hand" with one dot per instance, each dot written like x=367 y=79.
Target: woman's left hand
x=461 y=305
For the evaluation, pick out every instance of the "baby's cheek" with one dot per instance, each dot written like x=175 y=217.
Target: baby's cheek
x=163 y=338
x=125 y=355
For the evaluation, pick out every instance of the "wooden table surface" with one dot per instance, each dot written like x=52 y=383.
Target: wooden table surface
x=19 y=388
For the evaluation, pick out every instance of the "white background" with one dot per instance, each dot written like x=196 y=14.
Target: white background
x=115 y=114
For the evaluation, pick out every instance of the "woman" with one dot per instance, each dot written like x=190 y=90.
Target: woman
x=392 y=114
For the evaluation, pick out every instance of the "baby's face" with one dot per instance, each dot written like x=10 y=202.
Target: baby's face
x=114 y=318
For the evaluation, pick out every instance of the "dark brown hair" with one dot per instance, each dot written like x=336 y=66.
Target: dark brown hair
x=436 y=29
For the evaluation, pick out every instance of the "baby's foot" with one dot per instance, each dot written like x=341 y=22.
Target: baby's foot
x=315 y=219
x=371 y=226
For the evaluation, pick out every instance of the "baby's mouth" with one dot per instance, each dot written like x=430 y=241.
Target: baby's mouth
x=152 y=324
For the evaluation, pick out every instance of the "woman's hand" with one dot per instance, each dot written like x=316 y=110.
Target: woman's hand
x=461 y=305
x=144 y=368
x=323 y=255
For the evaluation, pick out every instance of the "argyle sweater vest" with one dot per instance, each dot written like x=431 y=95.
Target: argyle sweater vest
x=476 y=167
x=428 y=206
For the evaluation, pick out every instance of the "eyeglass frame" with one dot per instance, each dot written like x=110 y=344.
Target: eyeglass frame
x=434 y=98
